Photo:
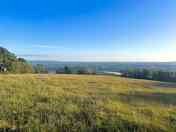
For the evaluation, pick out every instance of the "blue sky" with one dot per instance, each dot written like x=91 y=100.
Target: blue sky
x=89 y=30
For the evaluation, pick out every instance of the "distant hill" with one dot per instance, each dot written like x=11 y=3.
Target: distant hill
x=9 y=62
x=108 y=66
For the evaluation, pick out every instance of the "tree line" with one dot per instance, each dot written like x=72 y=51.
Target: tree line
x=158 y=75
x=68 y=70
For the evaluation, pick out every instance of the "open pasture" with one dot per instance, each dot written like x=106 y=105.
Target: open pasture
x=85 y=103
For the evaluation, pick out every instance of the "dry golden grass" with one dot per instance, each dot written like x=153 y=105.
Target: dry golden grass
x=85 y=103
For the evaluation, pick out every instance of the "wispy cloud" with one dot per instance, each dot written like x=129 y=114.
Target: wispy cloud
x=46 y=46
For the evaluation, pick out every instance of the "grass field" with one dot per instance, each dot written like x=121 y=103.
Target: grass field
x=85 y=103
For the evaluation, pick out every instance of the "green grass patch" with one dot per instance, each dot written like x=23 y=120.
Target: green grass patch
x=85 y=103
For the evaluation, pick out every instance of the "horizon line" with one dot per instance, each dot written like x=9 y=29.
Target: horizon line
x=102 y=61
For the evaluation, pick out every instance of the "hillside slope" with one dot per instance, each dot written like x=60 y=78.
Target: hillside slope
x=10 y=63
x=86 y=103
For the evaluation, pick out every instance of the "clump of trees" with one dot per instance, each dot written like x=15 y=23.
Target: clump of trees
x=158 y=75
x=86 y=71
x=68 y=70
x=65 y=70
x=10 y=63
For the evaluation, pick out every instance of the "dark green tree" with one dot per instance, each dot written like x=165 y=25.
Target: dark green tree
x=67 y=70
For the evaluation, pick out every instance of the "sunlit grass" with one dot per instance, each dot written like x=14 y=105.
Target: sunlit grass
x=85 y=103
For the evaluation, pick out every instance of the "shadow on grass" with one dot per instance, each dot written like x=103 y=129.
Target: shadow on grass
x=161 y=98
x=164 y=84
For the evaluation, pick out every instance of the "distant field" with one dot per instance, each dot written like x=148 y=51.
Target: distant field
x=85 y=103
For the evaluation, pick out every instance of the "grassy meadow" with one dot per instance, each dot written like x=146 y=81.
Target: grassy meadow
x=85 y=103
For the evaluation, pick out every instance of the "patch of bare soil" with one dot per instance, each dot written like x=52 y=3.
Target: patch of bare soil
x=41 y=77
